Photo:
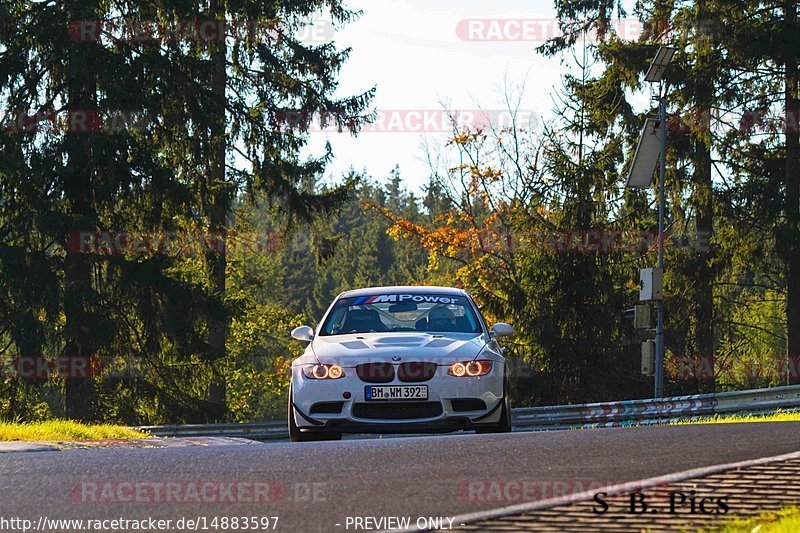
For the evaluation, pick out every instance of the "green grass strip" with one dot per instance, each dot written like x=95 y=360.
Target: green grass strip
x=65 y=430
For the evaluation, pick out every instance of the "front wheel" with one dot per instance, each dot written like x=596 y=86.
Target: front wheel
x=504 y=424
x=295 y=435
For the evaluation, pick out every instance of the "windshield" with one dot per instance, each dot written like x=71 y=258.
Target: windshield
x=401 y=312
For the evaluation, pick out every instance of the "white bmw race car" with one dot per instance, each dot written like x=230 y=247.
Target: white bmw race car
x=399 y=360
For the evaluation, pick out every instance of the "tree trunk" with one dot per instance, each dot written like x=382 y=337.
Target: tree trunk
x=702 y=202
x=792 y=237
x=78 y=185
x=218 y=209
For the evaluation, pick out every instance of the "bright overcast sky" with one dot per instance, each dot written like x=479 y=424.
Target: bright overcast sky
x=417 y=56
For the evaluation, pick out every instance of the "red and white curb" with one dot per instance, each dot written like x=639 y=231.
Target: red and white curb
x=631 y=486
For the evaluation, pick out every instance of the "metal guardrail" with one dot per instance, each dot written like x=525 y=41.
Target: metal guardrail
x=269 y=430
x=604 y=414
x=649 y=411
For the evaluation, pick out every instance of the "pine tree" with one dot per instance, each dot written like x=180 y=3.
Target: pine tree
x=204 y=101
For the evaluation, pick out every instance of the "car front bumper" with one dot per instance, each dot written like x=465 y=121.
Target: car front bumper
x=445 y=410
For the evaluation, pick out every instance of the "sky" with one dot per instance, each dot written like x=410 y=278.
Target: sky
x=420 y=54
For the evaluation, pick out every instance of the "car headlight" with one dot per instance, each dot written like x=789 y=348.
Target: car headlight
x=323 y=371
x=470 y=369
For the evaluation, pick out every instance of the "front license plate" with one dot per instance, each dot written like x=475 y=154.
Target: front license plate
x=397 y=392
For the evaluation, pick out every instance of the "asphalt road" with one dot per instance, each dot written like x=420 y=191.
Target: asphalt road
x=315 y=486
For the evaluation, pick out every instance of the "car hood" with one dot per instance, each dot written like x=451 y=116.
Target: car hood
x=353 y=349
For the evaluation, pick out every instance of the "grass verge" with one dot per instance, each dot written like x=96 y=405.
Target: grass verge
x=65 y=430
x=784 y=521
x=777 y=416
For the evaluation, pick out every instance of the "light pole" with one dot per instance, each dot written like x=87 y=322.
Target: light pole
x=651 y=149
x=659 y=369
x=655 y=74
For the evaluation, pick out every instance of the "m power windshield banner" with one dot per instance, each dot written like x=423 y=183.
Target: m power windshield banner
x=418 y=298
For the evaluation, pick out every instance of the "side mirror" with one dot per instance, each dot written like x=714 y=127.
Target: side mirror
x=303 y=333
x=502 y=329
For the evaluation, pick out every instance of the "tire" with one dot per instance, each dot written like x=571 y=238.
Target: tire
x=504 y=424
x=295 y=435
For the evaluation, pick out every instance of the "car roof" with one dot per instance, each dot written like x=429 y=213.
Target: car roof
x=404 y=289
